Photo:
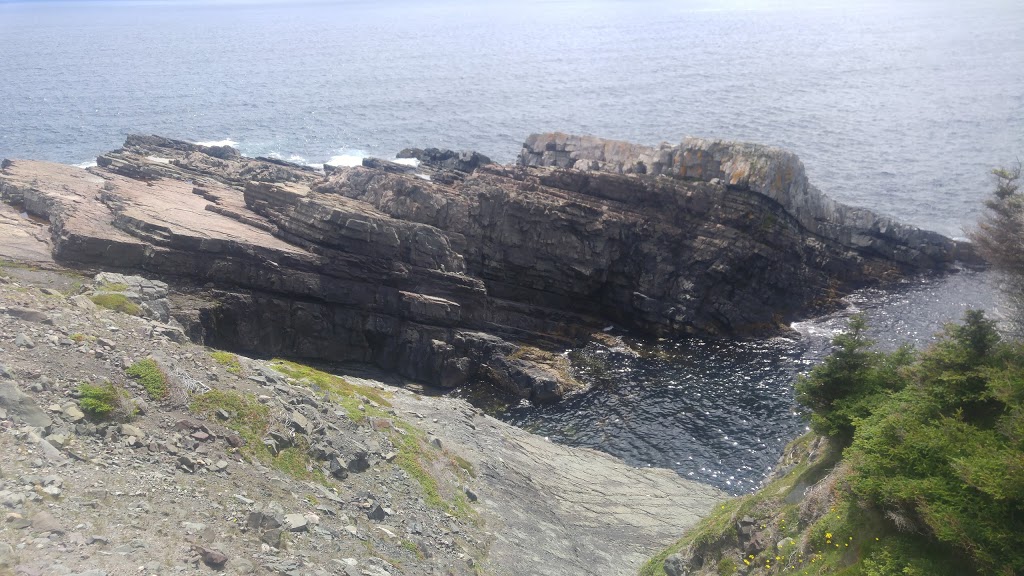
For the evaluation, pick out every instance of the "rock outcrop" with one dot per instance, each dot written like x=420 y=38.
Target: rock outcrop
x=447 y=272
x=771 y=172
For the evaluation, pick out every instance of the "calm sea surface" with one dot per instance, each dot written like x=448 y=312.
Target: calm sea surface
x=902 y=107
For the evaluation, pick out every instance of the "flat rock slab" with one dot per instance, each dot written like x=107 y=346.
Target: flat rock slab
x=560 y=510
x=21 y=405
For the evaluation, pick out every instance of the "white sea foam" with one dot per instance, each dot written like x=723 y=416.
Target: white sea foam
x=414 y=162
x=293 y=158
x=86 y=164
x=224 y=142
x=352 y=158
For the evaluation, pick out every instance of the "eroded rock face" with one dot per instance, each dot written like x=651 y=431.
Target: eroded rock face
x=442 y=272
x=771 y=172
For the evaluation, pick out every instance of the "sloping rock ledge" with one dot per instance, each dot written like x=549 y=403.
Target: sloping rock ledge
x=461 y=269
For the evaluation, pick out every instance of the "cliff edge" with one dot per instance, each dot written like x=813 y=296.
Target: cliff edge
x=459 y=269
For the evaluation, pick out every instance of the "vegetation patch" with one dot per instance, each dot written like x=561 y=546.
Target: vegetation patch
x=465 y=465
x=228 y=360
x=251 y=420
x=151 y=376
x=112 y=287
x=349 y=396
x=246 y=416
x=117 y=303
x=417 y=458
x=413 y=548
x=931 y=479
x=104 y=401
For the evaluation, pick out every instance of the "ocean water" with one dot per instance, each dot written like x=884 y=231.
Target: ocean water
x=899 y=106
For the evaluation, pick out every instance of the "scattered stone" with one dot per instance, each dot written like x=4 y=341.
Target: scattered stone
x=376 y=512
x=129 y=430
x=272 y=537
x=28 y=314
x=73 y=413
x=57 y=440
x=296 y=523
x=84 y=302
x=24 y=341
x=7 y=559
x=435 y=442
x=244 y=500
x=299 y=423
x=220 y=466
x=187 y=464
x=45 y=522
x=213 y=558
x=337 y=468
x=262 y=520
x=20 y=405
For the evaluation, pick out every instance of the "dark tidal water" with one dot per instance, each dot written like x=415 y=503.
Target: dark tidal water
x=899 y=106
x=722 y=411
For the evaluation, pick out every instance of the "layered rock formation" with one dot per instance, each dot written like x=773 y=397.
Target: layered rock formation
x=461 y=269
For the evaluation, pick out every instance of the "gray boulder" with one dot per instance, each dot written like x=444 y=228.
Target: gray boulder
x=21 y=406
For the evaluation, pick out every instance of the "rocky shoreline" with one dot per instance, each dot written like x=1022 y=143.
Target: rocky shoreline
x=460 y=269
x=357 y=476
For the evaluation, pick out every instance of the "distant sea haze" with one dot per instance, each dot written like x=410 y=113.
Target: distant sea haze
x=902 y=107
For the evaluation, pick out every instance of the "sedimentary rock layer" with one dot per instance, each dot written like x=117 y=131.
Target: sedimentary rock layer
x=461 y=269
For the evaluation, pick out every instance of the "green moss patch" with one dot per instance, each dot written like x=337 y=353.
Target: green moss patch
x=349 y=396
x=117 y=303
x=228 y=360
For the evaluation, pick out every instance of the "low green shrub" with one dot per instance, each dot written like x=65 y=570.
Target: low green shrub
x=151 y=376
x=103 y=401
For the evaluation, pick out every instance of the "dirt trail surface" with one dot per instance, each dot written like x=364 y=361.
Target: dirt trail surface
x=244 y=466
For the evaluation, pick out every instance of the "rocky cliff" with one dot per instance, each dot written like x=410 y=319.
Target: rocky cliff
x=771 y=172
x=460 y=269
